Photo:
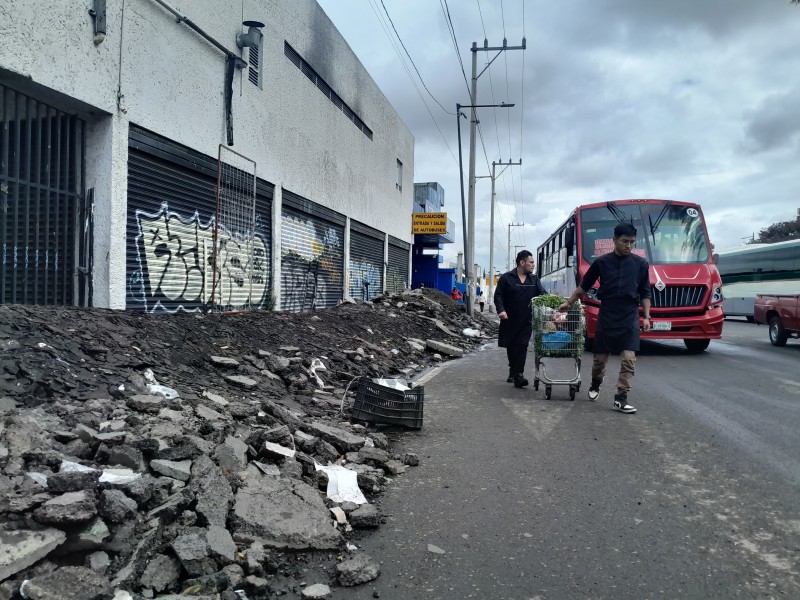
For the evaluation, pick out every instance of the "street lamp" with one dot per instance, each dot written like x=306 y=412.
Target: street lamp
x=469 y=246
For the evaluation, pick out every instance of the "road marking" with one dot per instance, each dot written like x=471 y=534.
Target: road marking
x=540 y=419
x=428 y=376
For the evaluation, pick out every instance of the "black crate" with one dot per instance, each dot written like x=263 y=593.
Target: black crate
x=378 y=404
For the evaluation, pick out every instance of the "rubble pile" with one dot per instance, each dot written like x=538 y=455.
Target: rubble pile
x=188 y=455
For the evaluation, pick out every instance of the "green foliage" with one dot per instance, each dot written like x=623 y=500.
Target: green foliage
x=779 y=232
x=549 y=300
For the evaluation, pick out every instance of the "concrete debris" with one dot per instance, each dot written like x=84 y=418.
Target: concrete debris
x=175 y=456
x=357 y=570
x=22 y=548
x=316 y=591
x=443 y=348
x=435 y=549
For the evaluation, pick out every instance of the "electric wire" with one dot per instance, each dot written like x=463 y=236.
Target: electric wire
x=422 y=81
x=414 y=83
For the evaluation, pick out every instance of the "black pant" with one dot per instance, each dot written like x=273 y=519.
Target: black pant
x=517 y=354
x=481 y=303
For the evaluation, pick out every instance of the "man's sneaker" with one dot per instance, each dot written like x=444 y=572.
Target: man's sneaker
x=621 y=403
x=594 y=389
x=520 y=381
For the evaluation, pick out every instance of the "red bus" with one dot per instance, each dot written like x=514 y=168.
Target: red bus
x=672 y=236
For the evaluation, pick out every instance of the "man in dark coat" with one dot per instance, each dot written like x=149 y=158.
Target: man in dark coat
x=624 y=284
x=512 y=299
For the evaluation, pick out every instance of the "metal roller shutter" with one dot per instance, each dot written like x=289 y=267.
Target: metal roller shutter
x=397 y=278
x=366 y=262
x=170 y=230
x=312 y=254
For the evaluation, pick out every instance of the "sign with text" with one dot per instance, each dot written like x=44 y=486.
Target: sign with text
x=429 y=222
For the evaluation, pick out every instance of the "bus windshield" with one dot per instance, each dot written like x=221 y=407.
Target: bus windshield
x=666 y=233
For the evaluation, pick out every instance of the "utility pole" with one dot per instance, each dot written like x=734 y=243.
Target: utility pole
x=470 y=257
x=510 y=225
x=469 y=243
x=491 y=223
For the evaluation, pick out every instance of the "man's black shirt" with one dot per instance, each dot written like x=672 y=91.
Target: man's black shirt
x=624 y=283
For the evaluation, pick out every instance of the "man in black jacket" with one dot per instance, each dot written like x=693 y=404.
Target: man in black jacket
x=624 y=284
x=512 y=299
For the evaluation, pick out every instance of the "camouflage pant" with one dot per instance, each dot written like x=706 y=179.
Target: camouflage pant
x=627 y=368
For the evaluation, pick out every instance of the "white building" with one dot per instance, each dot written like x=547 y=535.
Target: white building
x=111 y=125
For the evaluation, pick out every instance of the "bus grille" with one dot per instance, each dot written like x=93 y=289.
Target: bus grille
x=678 y=295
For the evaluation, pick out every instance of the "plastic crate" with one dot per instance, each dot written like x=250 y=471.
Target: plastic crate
x=378 y=404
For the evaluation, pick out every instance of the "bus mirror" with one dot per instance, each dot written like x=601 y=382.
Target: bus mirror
x=715 y=258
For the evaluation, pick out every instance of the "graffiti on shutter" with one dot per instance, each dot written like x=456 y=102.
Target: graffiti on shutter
x=397 y=269
x=170 y=235
x=366 y=262
x=312 y=260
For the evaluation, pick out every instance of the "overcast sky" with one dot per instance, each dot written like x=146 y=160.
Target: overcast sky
x=695 y=100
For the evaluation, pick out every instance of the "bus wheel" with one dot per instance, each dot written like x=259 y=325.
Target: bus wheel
x=696 y=345
x=777 y=334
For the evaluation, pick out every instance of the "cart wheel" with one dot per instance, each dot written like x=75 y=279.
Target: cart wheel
x=548 y=390
x=572 y=391
x=536 y=384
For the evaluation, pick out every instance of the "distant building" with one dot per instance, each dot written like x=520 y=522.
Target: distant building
x=111 y=134
x=426 y=266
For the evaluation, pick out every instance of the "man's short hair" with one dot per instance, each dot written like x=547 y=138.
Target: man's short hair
x=624 y=229
x=523 y=255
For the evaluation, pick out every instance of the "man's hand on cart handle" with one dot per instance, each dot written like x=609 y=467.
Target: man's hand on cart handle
x=646 y=324
x=503 y=315
x=566 y=306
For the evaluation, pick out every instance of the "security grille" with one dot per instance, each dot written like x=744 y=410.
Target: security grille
x=234 y=234
x=45 y=234
x=312 y=254
x=674 y=296
x=366 y=262
x=397 y=269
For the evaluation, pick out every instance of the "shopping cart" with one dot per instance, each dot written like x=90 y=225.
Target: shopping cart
x=557 y=335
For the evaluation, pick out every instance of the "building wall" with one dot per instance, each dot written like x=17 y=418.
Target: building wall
x=162 y=76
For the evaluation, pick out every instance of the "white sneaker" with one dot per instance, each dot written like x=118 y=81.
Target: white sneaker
x=621 y=404
x=594 y=394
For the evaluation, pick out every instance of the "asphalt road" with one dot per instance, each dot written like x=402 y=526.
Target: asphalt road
x=695 y=496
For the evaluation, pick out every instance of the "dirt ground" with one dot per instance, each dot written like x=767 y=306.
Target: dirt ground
x=69 y=371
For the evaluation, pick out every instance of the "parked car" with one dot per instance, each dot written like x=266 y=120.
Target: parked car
x=782 y=313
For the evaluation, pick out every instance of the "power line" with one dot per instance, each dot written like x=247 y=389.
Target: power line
x=412 y=61
x=452 y=29
x=414 y=83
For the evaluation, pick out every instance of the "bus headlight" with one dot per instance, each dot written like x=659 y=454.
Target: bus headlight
x=716 y=296
x=592 y=293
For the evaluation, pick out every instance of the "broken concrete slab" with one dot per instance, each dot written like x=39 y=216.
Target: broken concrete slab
x=445 y=348
x=146 y=403
x=90 y=537
x=231 y=454
x=357 y=570
x=66 y=509
x=212 y=490
x=75 y=583
x=241 y=381
x=161 y=572
x=216 y=398
x=365 y=517
x=316 y=591
x=98 y=562
x=395 y=467
x=180 y=470
x=117 y=507
x=224 y=361
x=21 y=548
x=207 y=414
x=343 y=440
x=283 y=513
x=278 y=451
x=220 y=543
x=192 y=550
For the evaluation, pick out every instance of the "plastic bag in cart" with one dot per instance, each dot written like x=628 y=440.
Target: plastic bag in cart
x=556 y=340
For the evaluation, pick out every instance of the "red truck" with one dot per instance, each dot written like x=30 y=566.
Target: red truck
x=782 y=313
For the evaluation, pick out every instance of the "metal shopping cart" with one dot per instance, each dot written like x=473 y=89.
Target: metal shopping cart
x=557 y=335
